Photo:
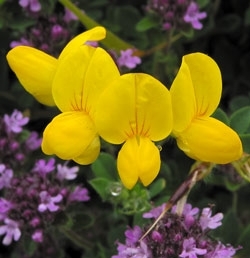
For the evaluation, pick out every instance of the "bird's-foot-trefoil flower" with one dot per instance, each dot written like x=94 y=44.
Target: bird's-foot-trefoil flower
x=196 y=93
x=35 y=69
x=135 y=109
x=74 y=83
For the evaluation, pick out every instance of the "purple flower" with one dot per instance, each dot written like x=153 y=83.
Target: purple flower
x=58 y=32
x=10 y=230
x=140 y=251
x=190 y=250
x=22 y=42
x=133 y=235
x=44 y=167
x=189 y=214
x=48 y=202
x=32 y=5
x=33 y=142
x=15 y=121
x=37 y=236
x=206 y=221
x=5 y=176
x=127 y=59
x=193 y=16
x=79 y=194
x=69 y=16
x=64 y=172
x=5 y=206
x=92 y=43
x=155 y=212
x=222 y=251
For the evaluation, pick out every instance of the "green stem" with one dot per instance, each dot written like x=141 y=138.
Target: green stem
x=111 y=41
x=234 y=201
x=78 y=240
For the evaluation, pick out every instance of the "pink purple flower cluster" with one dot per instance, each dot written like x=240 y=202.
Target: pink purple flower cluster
x=16 y=143
x=185 y=236
x=177 y=14
x=49 y=34
x=31 y=201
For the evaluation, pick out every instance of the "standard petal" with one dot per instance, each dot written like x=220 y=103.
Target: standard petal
x=81 y=77
x=135 y=104
x=95 y=34
x=69 y=135
x=35 y=71
x=207 y=82
x=138 y=159
x=183 y=99
x=210 y=140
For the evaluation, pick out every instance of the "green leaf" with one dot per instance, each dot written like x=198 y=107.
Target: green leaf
x=240 y=120
x=245 y=139
x=228 y=23
x=239 y=102
x=156 y=187
x=244 y=242
x=148 y=22
x=101 y=186
x=221 y=115
x=226 y=231
x=105 y=167
x=247 y=17
x=203 y=3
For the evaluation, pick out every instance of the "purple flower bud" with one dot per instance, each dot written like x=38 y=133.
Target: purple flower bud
x=57 y=32
x=35 y=222
x=31 y=5
x=33 y=142
x=156 y=236
x=37 y=236
x=69 y=16
x=5 y=176
x=5 y=206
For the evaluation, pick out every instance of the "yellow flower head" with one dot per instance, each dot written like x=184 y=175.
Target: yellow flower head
x=35 y=69
x=79 y=76
x=196 y=93
x=135 y=109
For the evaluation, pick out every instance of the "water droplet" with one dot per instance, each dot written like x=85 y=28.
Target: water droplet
x=115 y=189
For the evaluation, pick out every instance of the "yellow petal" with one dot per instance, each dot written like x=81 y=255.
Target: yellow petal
x=95 y=34
x=81 y=77
x=207 y=83
x=69 y=135
x=183 y=99
x=138 y=159
x=91 y=152
x=210 y=140
x=135 y=104
x=35 y=71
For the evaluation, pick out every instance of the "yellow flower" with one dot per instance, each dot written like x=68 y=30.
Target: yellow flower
x=135 y=109
x=35 y=69
x=80 y=74
x=196 y=93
